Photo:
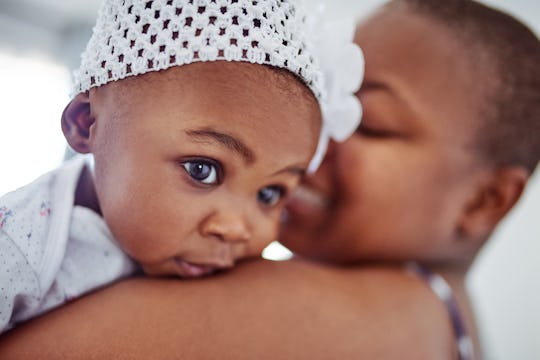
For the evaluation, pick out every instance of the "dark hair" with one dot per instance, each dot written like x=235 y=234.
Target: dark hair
x=510 y=128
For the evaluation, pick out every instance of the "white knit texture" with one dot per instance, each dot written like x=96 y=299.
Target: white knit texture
x=342 y=66
x=135 y=37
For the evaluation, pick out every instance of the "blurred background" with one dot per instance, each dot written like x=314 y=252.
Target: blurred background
x=40 y=45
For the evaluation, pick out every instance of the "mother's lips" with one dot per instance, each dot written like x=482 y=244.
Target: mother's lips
x=307 y=200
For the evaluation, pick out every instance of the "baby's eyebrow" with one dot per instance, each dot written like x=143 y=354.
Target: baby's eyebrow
x=227 y=140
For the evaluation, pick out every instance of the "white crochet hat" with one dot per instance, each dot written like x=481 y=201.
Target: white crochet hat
x=133 y=37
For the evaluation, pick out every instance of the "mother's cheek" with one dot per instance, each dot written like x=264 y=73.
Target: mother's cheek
x=349 y=161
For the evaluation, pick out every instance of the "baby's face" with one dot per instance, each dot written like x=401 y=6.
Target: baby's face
x=397 y=188
x=193 y=164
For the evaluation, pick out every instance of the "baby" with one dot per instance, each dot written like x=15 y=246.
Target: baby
x=201 y=118
x=448 y=140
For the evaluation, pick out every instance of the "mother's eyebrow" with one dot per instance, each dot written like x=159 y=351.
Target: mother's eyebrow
x=229 y=141
x=375 y=85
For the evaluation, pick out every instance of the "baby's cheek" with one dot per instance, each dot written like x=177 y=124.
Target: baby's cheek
x=133 y=240
x=138 y=235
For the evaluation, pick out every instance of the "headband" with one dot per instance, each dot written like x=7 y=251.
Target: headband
x=136 y=37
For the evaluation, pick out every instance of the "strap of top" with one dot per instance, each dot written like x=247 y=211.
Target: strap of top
x=443 y=291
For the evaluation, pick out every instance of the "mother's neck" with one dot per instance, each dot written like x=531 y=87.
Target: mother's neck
x=85 y=193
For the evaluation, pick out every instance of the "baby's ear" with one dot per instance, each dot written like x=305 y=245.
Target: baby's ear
x=76 y=122
x=492 y=201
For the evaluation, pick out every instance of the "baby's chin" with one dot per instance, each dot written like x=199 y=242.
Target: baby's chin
x=181 y=268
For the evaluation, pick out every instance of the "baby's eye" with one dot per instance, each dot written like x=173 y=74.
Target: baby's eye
x=270 y=195
x=203 y=171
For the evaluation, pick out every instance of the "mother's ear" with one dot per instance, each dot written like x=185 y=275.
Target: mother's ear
x=492 y=201
x=76 y=122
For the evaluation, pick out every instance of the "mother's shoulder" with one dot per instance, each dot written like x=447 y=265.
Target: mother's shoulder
x=261 y=309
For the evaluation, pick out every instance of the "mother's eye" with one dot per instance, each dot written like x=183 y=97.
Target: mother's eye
x=373 y=132
x=204 y=171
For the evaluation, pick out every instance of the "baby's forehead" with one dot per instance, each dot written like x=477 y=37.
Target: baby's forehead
x=194 y=77
x=238 y=88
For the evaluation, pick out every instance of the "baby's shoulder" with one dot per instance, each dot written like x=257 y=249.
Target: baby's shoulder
x=25 y=217
x=24 y=220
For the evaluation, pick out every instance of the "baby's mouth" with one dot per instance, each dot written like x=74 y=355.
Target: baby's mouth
x=187 y=269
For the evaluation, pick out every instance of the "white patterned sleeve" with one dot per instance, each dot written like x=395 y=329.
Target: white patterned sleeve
x=19 y=286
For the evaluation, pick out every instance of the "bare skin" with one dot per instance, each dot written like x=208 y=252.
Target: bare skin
x=252 y=312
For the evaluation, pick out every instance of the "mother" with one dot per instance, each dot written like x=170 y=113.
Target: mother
x=381 y=186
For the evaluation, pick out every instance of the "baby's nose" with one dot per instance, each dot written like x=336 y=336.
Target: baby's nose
x=228 y=226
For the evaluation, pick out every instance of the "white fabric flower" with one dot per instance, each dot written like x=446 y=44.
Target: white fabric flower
x=342 y=64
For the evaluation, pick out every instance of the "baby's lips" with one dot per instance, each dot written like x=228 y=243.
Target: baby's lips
x=191 y=270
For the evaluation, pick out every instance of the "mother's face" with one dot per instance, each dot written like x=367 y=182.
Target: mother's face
x=396 y=189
